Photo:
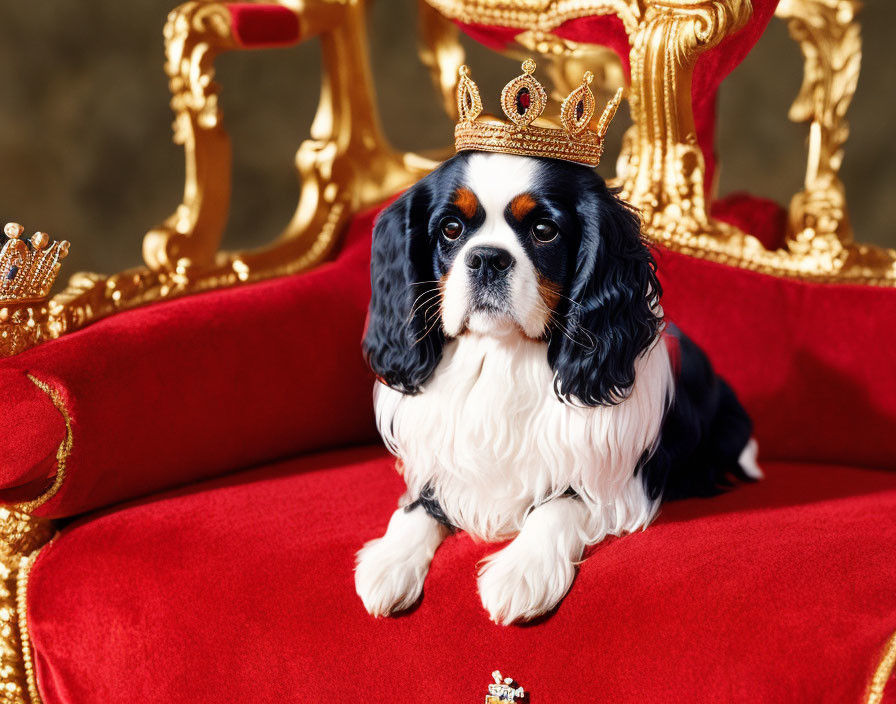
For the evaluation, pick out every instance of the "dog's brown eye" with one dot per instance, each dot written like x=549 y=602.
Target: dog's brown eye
x=451 y=228
x=544 y=231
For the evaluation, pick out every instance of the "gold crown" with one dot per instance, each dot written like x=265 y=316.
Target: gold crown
x=28 y=268
x=523 y=100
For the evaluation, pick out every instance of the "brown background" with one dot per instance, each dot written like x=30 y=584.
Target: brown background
x=85 y=141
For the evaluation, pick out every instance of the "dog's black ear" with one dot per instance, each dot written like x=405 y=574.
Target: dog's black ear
x=404 y=339
x=613 y=316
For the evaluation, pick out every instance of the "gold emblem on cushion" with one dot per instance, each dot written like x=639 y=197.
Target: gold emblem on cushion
x=503 y=690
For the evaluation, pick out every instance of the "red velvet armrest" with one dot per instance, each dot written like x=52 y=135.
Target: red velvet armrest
x=192 y=388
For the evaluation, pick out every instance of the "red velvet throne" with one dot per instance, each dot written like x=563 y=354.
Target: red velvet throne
x=187 y=473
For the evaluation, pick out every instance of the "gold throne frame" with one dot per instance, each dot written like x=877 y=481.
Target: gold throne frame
x=347 y=165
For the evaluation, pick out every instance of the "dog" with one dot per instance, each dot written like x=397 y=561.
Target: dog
x=527 y=381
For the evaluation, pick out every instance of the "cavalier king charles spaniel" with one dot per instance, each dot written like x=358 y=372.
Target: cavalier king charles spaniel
x=527 y=382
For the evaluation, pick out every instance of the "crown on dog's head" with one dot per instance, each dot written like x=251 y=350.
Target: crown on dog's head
x=523 y=100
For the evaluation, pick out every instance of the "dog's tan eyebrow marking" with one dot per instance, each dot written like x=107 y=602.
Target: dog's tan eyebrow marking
x=466 y=202
x=521 y=206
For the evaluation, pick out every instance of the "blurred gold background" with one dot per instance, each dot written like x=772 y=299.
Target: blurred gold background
x=85 y=138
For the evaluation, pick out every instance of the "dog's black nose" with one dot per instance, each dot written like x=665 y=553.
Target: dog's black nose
x=489 y=260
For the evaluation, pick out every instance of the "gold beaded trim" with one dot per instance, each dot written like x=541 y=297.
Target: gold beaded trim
x=543 y=15
x=531 y=141
x=22 y=612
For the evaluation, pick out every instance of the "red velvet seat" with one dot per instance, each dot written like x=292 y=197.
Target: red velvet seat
x=240 y=589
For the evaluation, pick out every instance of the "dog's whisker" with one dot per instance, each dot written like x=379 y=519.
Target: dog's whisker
x=418 y=304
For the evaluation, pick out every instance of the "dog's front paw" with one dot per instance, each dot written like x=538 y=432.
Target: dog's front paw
x=386 y=579
x=518 y=584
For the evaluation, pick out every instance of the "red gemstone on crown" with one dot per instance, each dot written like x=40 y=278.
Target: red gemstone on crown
x=523 y=101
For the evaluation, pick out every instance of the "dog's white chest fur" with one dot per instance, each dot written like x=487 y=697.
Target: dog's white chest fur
x=490 y=438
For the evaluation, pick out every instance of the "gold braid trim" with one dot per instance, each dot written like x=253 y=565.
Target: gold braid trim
x=62 y=454
x=24 y=637
x=883 y=673
x=18 y=680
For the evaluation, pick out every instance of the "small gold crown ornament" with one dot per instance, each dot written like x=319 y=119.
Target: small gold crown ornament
x=503 y=691
x=28 y=268
x=523 y=101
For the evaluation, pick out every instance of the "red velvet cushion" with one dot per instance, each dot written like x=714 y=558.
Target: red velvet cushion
x=241 y=589
x=31 y=430
x=197 y=387
x=711 y=69
x=813 y=363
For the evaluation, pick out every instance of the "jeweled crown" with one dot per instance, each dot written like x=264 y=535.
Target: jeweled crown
x=28 y=268
x=523 y=101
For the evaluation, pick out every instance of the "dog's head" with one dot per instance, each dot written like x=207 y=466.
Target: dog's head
x=493 y=244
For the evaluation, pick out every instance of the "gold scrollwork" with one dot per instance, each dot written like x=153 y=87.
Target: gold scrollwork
x=665 y=175
x=537 y=15
x=830 y=40
x=195 y=33
x=570 y=60
x=344 y=167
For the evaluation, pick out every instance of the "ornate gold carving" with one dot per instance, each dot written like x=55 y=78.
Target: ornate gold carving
x=21 y=537
x=664 y=178
x=21 y=327
x=568 y=61
x=195 y=33
x=830 y=40
x=537 y=15
x=345 y=166
x=831 y=43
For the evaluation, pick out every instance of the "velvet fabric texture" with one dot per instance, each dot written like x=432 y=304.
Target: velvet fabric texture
x=241 y=589
x=194 y=388
x=263 y=26
x=711 y=69
x=32 y=430
x=812 y=363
